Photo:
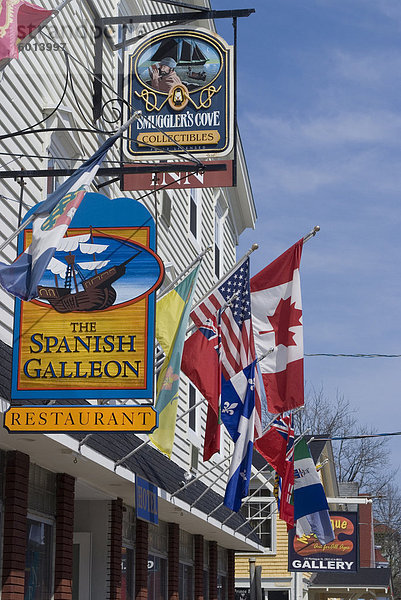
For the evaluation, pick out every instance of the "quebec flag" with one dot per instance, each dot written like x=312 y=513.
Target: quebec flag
x=238 y=416
x=51 y=221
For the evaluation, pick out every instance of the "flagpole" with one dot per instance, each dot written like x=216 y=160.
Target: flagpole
x=246 y=500
x=272 y=500
x=261 y=485
x=294 y=412
x=229 y=272
x=201 y=475
x=188 y=268
x=311 y=234
x=208 y=488
x=222 y=504
x=137 y=114
x=146 y=442
x=258 y=525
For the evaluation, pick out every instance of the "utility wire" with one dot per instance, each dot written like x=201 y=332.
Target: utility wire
x=356 y=437
x=356 y=355
x=20 y=155
x=67 y=62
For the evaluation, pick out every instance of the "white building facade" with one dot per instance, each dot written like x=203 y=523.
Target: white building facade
x=68 y=523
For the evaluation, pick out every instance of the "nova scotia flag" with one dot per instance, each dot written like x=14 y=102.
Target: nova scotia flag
x=238 y=416
x=51 y=221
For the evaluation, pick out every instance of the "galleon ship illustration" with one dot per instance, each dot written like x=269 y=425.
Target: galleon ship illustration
x=80 y=292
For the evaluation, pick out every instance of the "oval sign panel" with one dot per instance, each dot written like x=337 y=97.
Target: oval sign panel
x=182 y=81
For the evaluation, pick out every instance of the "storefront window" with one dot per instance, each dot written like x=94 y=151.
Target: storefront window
x=127 y=573
x=258 y=511
x=206 y=570
x=157 y=577
x=186 y=584
x=38 y=563
x=222 y=565
x=128 y=554
x=206 y=585
x=222 y=587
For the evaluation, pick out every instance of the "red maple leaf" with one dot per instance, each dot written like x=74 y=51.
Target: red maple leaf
x=284 y=317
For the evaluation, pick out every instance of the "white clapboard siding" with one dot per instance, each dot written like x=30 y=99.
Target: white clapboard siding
x=30 y=88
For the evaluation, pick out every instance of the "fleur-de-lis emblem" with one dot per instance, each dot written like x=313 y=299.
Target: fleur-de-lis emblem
x=251 y=383
x=229 y=408
x=243 y=475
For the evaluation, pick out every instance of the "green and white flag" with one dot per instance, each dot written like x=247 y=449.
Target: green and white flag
x=311 y=510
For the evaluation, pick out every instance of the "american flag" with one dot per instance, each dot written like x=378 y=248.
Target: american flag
x=232 y=299
x=228 y=310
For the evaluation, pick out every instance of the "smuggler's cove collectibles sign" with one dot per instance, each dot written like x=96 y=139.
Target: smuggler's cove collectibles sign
x=306 y=553
x=90 y=332
x=182 y=81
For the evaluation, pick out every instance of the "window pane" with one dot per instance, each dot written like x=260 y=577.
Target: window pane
x=192 y=217
x=192 y=413
x=127 y=574
x=186 y=582
x=206 y=585
x=217 y=260
x=157 y=578
x=38 y=564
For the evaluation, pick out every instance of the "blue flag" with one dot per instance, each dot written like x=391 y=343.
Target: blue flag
x=311 y=510
x=51 y=221
x=238 y=416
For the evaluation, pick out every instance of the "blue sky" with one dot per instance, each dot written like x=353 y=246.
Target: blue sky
x=319 y=115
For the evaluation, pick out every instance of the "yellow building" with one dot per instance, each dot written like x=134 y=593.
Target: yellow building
x=260 y=509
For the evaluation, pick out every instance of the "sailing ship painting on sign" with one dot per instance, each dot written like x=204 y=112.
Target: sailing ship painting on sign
x=89 y=333
x=182 y=81
x=84 y=275
x=175 y=60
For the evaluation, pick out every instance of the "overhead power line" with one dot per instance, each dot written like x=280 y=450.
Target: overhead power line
x=356 y=355
x=360 y=436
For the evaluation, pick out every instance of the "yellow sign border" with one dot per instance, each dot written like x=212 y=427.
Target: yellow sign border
x=96 y=419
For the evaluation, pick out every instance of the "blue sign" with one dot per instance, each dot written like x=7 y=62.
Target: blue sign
x=146 y=500
x=182 y=82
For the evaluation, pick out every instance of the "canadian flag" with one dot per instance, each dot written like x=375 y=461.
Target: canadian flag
x=277 y=323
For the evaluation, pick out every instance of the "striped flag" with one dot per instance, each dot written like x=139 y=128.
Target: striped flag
x=311 y=510
x=273 y=445
x=238 y=415
x=224 y=320
x=235 y=319
x=51 y=221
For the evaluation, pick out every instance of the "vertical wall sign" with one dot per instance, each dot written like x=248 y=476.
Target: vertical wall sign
x=182 y=81
x=90 y=331
x=146 y=500
x=306 y=553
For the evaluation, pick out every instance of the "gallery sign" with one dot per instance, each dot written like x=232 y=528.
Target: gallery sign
x=90 y=332
x=182 y=81
x=306 y=553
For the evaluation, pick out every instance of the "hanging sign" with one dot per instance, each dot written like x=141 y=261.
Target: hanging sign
x=90 y=332
x=306 y=553
x=146 y=501
x=180 y=179
x=54 y=419
x=182 y=81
